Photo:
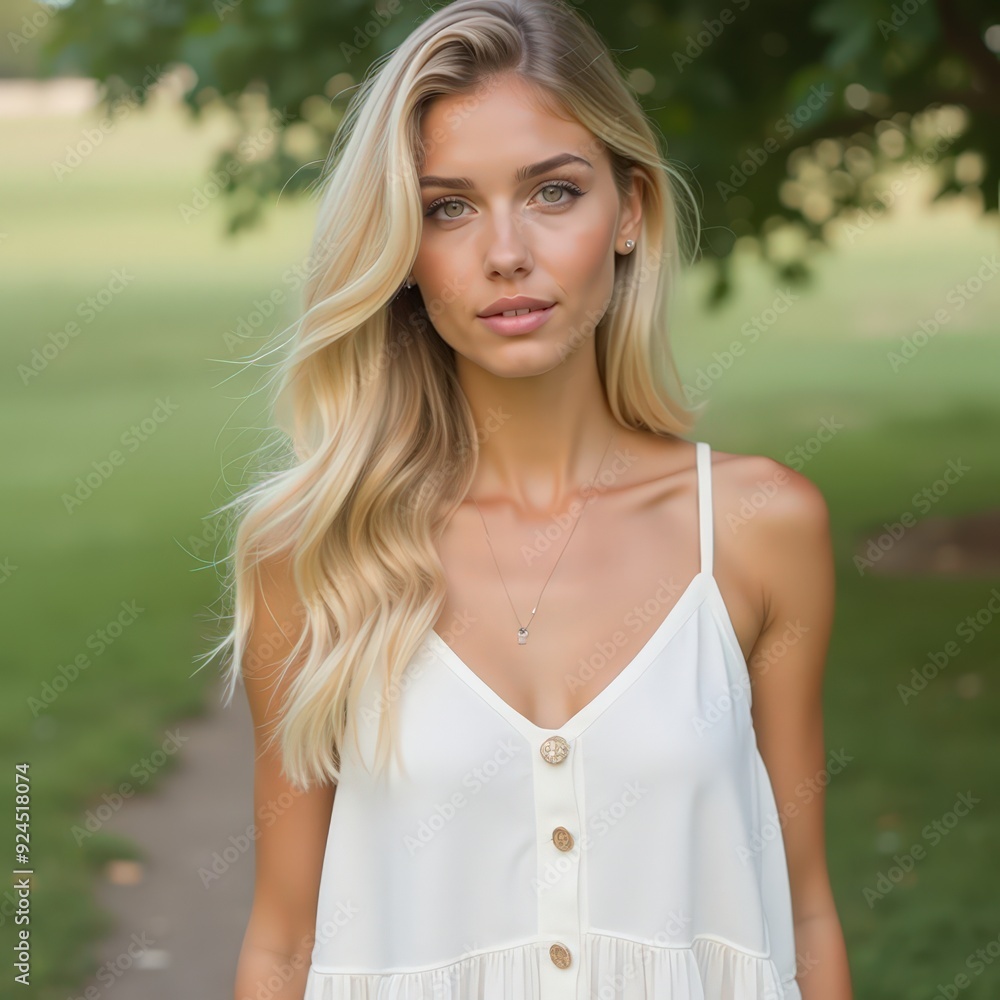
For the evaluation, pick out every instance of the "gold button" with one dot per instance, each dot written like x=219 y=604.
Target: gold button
x=554 y=750
x=562 y=838
x=559 y=954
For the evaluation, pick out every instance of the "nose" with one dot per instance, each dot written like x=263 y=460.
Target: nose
x=507 y=252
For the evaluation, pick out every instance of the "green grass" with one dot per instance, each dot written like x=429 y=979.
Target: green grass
x=162 y=338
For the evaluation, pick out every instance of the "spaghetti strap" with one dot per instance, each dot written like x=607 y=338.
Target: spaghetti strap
x=705 y=527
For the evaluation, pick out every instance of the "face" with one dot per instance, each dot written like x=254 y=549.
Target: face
x=497 y=225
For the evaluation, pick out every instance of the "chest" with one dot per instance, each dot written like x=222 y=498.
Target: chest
x=591 y=604
x=677 y=715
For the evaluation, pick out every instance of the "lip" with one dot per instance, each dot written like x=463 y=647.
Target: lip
x=513 y=325
x=517 y=302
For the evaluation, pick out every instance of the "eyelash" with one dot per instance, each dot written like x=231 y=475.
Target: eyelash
x=448 y=199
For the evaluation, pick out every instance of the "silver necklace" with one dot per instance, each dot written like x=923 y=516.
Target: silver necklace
x=522 y=632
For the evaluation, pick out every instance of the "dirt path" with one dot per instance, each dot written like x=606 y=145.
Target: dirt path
x=181 y=925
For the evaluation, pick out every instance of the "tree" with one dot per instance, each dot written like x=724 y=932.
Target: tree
x=790 y=114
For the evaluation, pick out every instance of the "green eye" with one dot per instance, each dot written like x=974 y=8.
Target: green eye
x=571 y=189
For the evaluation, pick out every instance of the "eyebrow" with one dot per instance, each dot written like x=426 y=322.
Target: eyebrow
x=521 y=174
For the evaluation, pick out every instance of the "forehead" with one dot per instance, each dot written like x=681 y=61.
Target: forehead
x=498 y=126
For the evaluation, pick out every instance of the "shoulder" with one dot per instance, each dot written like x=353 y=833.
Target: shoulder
x=768 y=502
x=773 y=533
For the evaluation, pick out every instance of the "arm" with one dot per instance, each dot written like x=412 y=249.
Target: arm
x=292 y=825
x=794 y=554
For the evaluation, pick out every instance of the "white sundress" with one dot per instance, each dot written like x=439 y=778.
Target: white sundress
x=635 y=853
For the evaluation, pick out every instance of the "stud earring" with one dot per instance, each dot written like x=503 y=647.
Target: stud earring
x=629 y=244
x=410 y=282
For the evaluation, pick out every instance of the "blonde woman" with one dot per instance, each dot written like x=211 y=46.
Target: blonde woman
x=493 y=618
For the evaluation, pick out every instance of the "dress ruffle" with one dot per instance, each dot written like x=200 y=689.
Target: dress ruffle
x=618 y=967
x=709 y=970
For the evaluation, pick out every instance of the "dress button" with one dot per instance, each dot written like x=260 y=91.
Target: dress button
x=554 y=750
x=562 y=838
x=559 y=954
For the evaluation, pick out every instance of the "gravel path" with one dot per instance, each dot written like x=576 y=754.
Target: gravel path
x=180 y=924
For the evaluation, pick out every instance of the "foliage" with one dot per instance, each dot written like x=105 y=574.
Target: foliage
x=790 y=114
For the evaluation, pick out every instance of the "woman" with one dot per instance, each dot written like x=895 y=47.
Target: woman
x=495 y=555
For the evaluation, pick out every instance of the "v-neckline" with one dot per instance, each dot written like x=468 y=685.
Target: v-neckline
x=573 y=726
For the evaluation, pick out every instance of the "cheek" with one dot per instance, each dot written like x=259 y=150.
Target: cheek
x=444 y=273
x=447 y=280
x=582 y=261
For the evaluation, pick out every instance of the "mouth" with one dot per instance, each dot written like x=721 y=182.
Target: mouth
x=516 y=305
x=520 y=312
x=516 y=321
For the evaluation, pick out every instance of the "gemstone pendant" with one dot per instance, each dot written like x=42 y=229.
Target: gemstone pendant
x=522 y=636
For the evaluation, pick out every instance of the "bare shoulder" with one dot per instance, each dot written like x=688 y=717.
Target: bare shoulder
x=787 y=506
x=773 y=537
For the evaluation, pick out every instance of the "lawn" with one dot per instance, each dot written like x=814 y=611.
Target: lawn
x=120 y=438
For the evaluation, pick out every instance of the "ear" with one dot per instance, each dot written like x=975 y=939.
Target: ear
x=630 y=216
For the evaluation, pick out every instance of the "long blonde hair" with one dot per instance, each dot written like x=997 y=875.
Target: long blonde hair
x=382 y=445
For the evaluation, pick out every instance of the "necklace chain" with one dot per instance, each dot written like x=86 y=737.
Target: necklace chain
x=522 y=632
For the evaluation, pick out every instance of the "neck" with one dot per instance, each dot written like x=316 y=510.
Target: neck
x=541 y=437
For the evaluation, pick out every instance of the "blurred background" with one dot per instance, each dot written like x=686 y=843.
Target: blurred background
x=156 y=206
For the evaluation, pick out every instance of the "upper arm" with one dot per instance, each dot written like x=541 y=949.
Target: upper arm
x=292 y=825
x=794 y=550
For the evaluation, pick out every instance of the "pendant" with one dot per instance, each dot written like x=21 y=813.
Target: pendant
x=522 y=636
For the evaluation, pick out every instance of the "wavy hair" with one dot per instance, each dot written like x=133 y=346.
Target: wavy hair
x=381 y=442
